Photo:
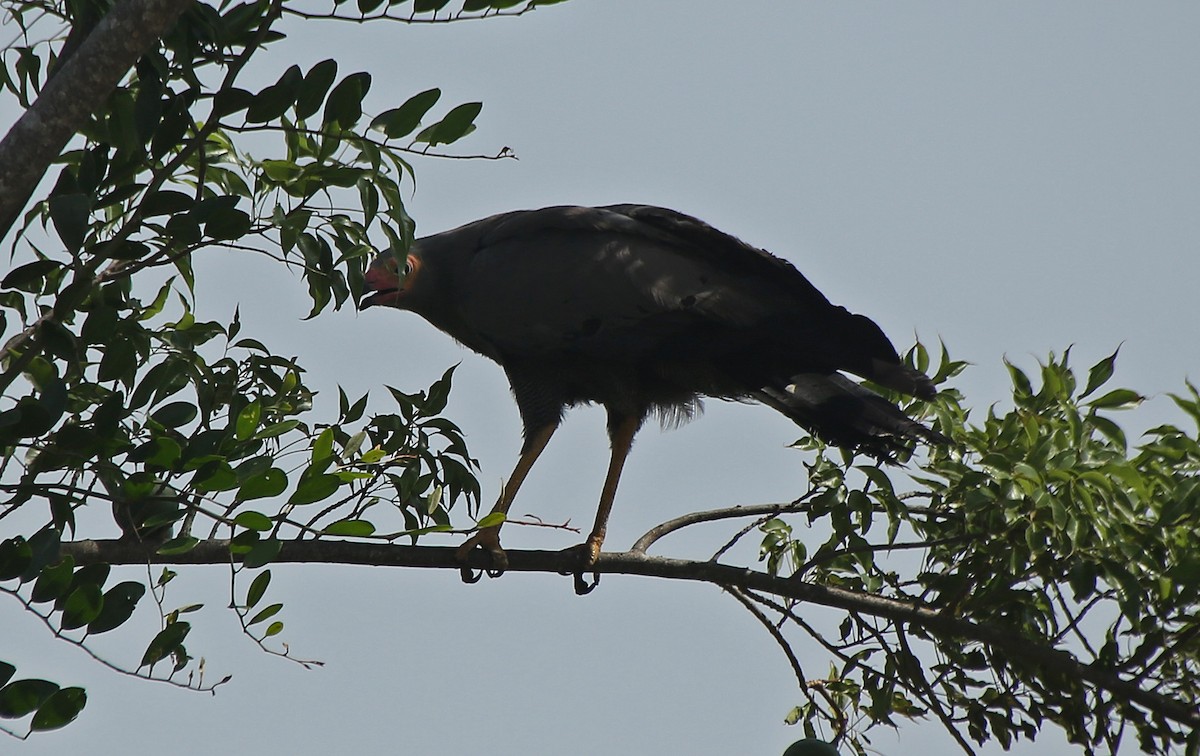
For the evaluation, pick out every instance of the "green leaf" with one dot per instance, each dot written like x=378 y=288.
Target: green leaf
x=403 y=120
x=317 y=82
x=274 y=629
x=277 y=429
x=227 y=224
x=24 y=696
x=166 y=202
x=1117 y=399
x=167 y=641
x=490 y=520
x=69 y=213
x=275 y=100
x=266 y=614
x=1100 y=373
x=247 y=420
x=178 y=545
x=253 y=520
x=16 y=555
x=82 y=606
x=30 y=277
x=6 y=673
x=262 y=553
x=344 y=106
x=54 y=581
x=258 y=587
x=315 y=489
x=175 y=414
x=59 y=710
x=323 y=446
x=119 y=603
x=456 y=124
x=355 y=528
x=270 y=482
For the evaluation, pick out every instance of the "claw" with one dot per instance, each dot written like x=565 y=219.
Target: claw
x=583 y=587
x=587 y=552
x=488 y=540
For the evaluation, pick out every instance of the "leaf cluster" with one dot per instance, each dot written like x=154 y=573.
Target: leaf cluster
x=1039 y=523
x=120 y=401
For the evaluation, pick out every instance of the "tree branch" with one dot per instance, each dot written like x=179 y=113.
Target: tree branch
x=77 y=90
x=999 y=638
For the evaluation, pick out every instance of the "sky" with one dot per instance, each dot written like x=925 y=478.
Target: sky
x=1011 y=178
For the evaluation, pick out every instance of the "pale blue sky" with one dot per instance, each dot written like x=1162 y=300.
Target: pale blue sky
x=1010 y=177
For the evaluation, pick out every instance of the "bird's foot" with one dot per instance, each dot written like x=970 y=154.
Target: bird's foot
x=587 y=553
x=488 y=540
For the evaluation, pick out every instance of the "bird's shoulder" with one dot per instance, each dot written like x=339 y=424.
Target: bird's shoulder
x=684 y=235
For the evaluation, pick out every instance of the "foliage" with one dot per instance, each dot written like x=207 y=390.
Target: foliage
x=116 y=394
x=1040 y=524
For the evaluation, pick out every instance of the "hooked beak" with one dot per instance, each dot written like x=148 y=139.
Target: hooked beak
x=381 y=284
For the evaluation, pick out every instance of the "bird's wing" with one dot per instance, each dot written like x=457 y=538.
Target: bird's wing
x=594 y=279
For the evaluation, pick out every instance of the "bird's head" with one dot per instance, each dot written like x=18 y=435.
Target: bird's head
x=386 y=283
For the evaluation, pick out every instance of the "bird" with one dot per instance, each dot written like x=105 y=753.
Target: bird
x=644 y=311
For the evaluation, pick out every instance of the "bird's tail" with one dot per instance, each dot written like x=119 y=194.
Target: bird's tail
x=841 y=412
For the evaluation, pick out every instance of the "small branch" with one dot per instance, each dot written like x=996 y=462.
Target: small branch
x=59 y=634
x=713 y=515
x=411 y=19
x=745 y=601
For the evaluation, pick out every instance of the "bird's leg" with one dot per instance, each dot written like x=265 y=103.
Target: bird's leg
x=489 y=538
x=621 y=430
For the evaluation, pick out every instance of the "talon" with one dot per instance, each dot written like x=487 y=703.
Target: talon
x=488 y=540
x=582 y=587
x=587 y=553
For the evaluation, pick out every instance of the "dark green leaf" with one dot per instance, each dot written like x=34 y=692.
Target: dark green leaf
x=231 y=100
x=178 y=545
x=59 y=710
x=355 y=528
x=258 y=587
x=1100 y=373
x=253 y=520
x=24 y=696
x=315 y=489
x=405 y=119
x=1117 y=399
x=275 y=100
x=6 y=673
x=69 y=213
x=262 y=553
x=54 y=581
x=44 y=547
x=456 y=124
x=344 y=107
x=82 y=606
x=270 y=482
x=267 y=613
x=119 y=603
x=227 y=224
x=30 y=276
x=167 y=641
x=316 y=84
x=175 y=414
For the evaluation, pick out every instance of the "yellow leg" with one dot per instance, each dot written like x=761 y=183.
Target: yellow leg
x=488 y=539
x=622 y=440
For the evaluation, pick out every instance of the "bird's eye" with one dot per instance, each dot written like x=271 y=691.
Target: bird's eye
x=408 y=267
